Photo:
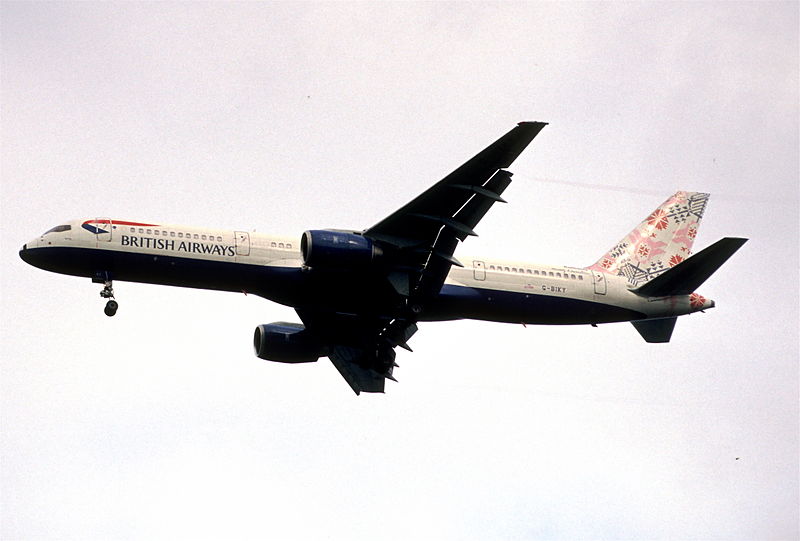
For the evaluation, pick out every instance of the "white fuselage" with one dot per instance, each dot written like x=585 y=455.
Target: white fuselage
x=272 y=267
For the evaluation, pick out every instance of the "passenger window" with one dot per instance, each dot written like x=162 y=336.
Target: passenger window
x=172 y=233
x=513 y=269
x=149 y=231
x=536 y=272
x=580 y=277
x=156 y=232
x=196 y=236
x=219 y=239
x=289 y=246
x=550 y=273
x=133 y=230
x=203 y=237
x=573 y=277
x=141 y=230
x=273 y=244
x=280 y=245
x=507 y=269
x=558 y=275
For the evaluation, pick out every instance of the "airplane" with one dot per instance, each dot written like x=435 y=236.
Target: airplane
x=361 y=293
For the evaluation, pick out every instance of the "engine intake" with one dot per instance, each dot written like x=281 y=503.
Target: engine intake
x=287 y=343
x=337 y=249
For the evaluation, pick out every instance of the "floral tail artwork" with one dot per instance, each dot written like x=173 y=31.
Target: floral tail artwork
x=660 y=242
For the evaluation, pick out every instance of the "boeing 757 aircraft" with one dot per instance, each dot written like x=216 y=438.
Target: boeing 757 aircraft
x=361 y=293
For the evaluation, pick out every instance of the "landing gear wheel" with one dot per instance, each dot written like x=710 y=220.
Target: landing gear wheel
x=111 y=308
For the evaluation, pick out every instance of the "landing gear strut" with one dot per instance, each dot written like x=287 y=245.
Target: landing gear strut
x=108 y=293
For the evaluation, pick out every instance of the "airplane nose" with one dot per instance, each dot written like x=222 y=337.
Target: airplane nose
x=27 y=255
x=31 y=254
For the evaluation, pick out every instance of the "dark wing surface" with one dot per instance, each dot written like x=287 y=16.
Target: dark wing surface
x=426 y=231
x=360 y=347
x=418 y=241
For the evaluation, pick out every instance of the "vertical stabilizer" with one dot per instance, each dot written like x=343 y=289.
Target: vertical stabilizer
x=660 y=242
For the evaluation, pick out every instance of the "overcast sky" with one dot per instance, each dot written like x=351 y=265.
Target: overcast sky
x=161 y=423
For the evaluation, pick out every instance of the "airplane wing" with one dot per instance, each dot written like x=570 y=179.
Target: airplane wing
x=426 y=231
x=362 y=347
x=419 y=241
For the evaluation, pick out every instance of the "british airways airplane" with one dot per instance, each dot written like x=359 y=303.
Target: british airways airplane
x=361 y=293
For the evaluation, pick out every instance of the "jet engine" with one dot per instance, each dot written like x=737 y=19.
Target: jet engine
x=324 y=248
x=287 y=343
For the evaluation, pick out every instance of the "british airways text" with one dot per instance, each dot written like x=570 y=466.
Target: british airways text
x=182 y=246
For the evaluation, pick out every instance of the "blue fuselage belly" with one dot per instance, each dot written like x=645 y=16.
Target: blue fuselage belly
x=279 y=284
x=340 y=292
x=291 y=286
x=458 y=302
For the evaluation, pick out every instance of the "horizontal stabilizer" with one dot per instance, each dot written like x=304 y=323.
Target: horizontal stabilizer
x=687 y=276
x=655 y=331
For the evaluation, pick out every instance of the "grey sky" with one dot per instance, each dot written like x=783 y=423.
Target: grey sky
x=160 y=423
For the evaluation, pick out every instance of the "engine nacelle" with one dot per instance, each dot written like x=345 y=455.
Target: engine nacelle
x=286 y=343
x=323 y=248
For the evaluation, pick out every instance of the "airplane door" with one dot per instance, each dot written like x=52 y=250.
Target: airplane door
x=242 y=243
x=599 y=280
x=103 y=229
x=479 y=270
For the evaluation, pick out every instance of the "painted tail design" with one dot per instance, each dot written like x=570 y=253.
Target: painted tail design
x=661 y=241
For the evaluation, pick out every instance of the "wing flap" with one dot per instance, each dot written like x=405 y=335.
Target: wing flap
x=346 y=360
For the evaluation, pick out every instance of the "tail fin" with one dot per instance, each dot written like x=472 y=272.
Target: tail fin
x=660 y=242
x=689 y=275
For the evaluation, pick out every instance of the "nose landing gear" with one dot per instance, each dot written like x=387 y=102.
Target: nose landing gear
x=108 y=293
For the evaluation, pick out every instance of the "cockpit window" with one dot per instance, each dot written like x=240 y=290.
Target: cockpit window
x=58 y=229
